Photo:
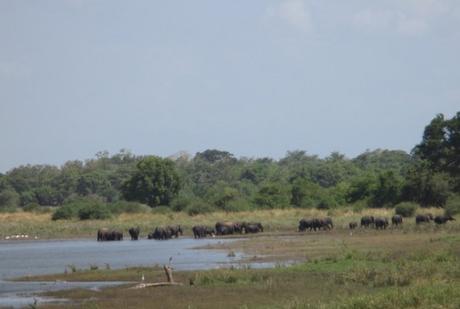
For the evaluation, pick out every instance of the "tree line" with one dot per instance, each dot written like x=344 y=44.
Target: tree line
x=217 y=180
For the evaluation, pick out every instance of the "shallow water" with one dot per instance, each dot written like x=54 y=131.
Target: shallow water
x=24 y=258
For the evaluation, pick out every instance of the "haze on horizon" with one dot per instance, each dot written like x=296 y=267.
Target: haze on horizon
x=255 y=78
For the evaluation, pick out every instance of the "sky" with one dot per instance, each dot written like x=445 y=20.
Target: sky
x=256 y=78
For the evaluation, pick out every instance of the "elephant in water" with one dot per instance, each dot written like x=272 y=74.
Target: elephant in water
x=134 y=233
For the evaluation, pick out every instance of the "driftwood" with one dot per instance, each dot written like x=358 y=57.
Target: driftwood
x=169 y=277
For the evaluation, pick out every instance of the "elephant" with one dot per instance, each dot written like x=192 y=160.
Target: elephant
x=381 y=223
x=396 y=220
x=174 y=231
x=423 y=218
x=353 y=225
x=105 y=234
x=159 y=234
x=305 y=224
x=228 y=228
x=134 y=233
x=163 y=233
x=443 y=219
x=252 y=227
x=326 y=223
x=367 y=221
x=201 y=231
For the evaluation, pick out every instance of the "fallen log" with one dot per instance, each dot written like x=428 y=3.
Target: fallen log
x=148 y=285
x=169 y=277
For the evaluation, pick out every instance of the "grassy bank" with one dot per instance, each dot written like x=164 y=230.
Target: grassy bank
x=390 y=269
x=284 y=220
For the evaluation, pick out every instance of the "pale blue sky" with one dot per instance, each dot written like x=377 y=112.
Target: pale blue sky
x=256 y=78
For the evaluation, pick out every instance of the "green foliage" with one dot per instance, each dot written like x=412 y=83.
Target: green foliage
x=28 y=197
x=9 y=200
x=65 y=212
x=31 y=207
x=426 y=187
x=94 y=210
x=127 y=207
x=361 y=187
x=48 y=196
x=406 y=209
x=453 y=205
x=272 y=195
x=181 y=202
x=326 y=202
x=83 y=208
x=198 y=206
x=155 y=182
x=387 y=190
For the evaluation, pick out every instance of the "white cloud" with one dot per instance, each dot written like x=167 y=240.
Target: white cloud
x=293 y=12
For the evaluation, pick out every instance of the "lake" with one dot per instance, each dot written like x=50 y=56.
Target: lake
x=24 y=258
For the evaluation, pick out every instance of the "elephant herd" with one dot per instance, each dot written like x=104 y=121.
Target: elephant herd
x=230 y=228
x=383 y=223
x=199 y=231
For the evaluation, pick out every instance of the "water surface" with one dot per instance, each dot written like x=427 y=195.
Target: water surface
x=28 y=258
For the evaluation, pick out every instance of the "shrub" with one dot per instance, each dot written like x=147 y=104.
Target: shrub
x=9 y=200
x=31 y=207
x=406 y=209
x=127 y=207
x=84 y=208
x=94 y=210
x=197 y=207
x=326 y=202
x=180 y=203
x=65 y=212
x=453 y=205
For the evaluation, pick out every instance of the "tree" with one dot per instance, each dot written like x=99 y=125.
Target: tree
x=48 y=196
x=440 y=146
x=432 y=149
x=426 y=187
x=154 y=182
x=361 y=187
x=387 y=191
x=272 y=195
x=9 y=199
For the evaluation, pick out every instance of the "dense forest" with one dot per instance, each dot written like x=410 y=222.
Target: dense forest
x=216 y=180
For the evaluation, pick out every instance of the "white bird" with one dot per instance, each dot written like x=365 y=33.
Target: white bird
x=142 y=278
x=7 y=237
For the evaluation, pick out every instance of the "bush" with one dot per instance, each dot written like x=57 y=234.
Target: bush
x=95 y=211
x=197 y=207
x=65 y=212
x=453 y=205
x=9 y=200
x=31 y=207
x=127 y=207
x=180 y=203
x=326 y=202
x=84 y=208
x=406 y=209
